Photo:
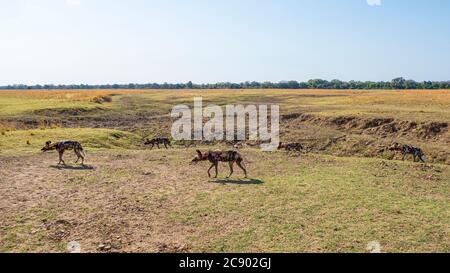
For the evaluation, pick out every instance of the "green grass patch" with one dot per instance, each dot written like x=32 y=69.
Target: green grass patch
x=92 y=139
x=325 y=204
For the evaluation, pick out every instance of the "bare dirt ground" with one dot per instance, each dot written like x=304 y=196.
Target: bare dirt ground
x=120 y=204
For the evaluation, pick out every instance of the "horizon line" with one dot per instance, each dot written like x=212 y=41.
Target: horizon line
x=221 y=82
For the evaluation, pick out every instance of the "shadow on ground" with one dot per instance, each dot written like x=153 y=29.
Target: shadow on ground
x=240 y=182
x=73 y=168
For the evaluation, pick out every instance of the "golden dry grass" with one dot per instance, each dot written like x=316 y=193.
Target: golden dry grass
x=404 y=104
x=64 y=95
x=24 y=102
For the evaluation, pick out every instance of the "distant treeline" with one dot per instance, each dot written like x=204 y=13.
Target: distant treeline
x=398 y=83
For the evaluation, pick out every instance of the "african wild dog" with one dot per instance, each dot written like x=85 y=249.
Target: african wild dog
x=158 y=140
x=221 y=156
x=408 y=150
x=291 y=147
x=63 y=146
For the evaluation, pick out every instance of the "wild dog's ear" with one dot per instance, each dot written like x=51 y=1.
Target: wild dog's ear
x=199 y=153
x=48 y=143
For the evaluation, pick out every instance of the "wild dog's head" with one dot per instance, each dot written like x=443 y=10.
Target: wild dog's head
x=148 y=142
x=48 y=147
x=200 y=157
x=395 y=147
x=280 y=146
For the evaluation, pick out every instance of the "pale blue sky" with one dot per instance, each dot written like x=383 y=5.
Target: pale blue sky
x=123 y=41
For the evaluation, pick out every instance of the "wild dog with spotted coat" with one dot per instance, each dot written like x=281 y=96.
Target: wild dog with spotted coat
x=221 y=156
x=63 y=146
x=291 y=147
x=157 y=141
x=417 y=153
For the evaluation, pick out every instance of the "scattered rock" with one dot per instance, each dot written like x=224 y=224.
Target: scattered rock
x=104 y=247
x=172 y=248
x=374 y=247
x=74 y=247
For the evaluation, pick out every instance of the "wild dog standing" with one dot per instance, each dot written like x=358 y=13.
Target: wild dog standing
x=220 y=156
x=291 y=147
x=408 y=150
x=158 y=140
x=63 y=146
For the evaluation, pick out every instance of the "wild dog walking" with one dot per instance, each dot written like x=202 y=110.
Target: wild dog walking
x=291 y=147
x=408 y=150
x=221 y=156
x=63 y=146
x=157 y=141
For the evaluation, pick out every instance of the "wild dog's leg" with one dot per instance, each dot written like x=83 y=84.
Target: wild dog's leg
x=414 y=158
x=165 y=145
x=231 y=168
x=61 y=153
x=421 y=158
x=80 y=156
x=77 y=153
x=404 y=156
x=209 y=170
x=153 y=145
x=217 y=169
x=157 y=144
x=239 y=163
